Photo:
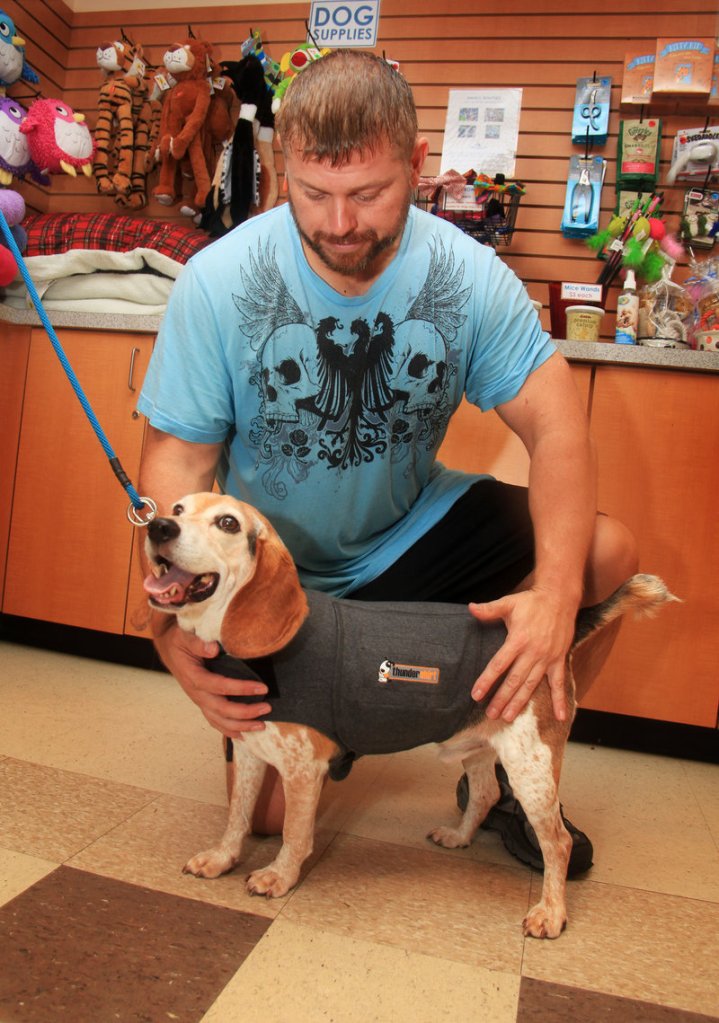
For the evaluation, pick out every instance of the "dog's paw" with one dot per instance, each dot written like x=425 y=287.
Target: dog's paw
x=449 y=838
x=269 y=882
x=541 y=922
x=210 y=863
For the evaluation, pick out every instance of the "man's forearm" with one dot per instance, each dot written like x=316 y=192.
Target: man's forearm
x=562 y=499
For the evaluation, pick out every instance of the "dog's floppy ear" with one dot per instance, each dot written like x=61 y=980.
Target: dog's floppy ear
x=268 y=611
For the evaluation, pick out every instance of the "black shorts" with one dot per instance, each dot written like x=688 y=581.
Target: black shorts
x=482 y=549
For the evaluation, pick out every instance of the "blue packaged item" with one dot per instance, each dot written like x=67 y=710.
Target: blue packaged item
x=591 y=110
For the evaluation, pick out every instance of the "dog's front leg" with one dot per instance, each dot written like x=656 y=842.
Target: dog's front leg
x=302 y=793
x=483 y=794
x=249 y=774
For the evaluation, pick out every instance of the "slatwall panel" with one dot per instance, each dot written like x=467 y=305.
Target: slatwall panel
x=542 y=46
x=46 y=28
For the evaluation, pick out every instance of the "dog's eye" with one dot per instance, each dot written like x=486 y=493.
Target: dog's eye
x=228 y=524
x=178 y=509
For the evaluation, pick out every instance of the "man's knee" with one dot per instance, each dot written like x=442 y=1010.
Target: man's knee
x=613 y=557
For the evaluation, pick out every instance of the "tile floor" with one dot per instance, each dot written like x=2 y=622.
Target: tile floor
x=110 y=779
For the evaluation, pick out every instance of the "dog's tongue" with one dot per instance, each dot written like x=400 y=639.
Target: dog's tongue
x=170 y=588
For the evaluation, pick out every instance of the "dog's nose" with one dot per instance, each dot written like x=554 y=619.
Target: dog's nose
x=160 y=530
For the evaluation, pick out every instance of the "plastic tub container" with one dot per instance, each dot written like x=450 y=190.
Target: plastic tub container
x=583 y=322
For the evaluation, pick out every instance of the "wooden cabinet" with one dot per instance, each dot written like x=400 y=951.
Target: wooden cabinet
x=480 y=442
x=69 y=551
x=14 y=350
x=657 y=435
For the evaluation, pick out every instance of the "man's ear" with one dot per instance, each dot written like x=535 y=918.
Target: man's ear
x=417 y=159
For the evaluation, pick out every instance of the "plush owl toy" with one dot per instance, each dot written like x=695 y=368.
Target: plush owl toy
x=58 y=138
x=15 y=158
x=13 y=65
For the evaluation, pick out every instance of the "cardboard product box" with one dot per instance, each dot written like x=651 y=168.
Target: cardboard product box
x=638 y=77
x=684 y=67
x=714 y=94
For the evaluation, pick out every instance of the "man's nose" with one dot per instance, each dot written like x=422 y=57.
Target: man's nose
x=342 y=217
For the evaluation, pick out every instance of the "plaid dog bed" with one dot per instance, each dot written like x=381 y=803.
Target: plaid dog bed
x=51 y=233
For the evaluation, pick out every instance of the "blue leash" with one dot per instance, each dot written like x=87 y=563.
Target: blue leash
x=137 y=502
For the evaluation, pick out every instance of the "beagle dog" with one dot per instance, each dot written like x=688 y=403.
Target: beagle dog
x=340 y=669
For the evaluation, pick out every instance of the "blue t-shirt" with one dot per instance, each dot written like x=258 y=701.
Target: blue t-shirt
x=332 y=408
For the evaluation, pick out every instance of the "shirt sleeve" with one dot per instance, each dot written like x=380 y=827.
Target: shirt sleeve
x=187 y=390
x=509 y=342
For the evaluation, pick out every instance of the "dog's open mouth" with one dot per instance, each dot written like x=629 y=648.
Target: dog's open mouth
x=169 y=585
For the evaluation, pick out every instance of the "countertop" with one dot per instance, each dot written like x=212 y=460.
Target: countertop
x=575 y=351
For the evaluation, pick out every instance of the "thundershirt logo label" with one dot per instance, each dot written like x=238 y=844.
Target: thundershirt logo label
x=391 y=672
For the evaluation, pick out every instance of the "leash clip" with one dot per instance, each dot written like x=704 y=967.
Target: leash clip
x=143 y=515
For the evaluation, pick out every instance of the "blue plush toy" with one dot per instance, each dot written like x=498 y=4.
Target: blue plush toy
x=13 y=65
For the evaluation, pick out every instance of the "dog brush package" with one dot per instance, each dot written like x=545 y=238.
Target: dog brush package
x=695 y=154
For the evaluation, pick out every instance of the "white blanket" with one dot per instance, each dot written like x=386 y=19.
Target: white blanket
x=97 y=280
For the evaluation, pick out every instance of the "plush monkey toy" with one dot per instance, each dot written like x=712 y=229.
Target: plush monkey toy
x=182 y=123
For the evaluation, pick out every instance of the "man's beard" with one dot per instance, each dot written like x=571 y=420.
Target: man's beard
x=353 y=263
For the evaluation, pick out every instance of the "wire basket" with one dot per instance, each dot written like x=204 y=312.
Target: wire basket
x=491 y=222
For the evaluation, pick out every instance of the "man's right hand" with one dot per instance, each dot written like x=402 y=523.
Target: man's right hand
x=183 y=655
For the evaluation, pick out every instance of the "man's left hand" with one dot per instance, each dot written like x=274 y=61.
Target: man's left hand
x=539 y=633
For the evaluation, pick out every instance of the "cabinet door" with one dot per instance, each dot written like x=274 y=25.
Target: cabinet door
x=657 y=435
x=70 y=540
x=480 y=442
x=14 y=350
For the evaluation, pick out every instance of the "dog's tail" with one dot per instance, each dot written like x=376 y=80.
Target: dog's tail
x=642 y=594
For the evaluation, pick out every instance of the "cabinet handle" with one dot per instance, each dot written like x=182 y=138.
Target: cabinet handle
x=130 y=381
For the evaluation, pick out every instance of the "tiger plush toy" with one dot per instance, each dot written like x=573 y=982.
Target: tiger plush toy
x=114 y=128
x=127 y=125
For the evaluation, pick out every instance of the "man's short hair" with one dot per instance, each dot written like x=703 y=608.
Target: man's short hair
x=347 y=102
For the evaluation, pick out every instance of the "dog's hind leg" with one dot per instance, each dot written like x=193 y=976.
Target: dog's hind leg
x=533 y=773
x=483 y=794
x=249 y=773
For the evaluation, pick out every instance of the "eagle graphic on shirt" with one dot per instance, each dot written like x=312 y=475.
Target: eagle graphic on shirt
x=345 y=393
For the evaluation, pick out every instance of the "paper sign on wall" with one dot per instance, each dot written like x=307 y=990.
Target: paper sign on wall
x=338 y=23
x=481 y=132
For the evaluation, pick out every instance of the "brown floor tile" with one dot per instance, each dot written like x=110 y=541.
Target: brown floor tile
x=78 y=948
x=540 y=1002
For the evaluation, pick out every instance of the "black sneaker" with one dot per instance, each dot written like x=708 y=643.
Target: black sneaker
x=509 y=819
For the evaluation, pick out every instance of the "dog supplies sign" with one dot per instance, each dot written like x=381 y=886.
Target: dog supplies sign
x=337 y=23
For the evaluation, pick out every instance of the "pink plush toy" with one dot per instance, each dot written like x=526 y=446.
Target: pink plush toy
x=58 y=138
x=12 y=206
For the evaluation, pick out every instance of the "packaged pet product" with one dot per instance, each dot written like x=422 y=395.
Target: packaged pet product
x=627 y=312
x=684 y=67
x=665 y=314
x=702 y=288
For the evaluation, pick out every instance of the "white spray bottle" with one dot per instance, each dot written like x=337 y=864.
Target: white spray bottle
x=627 y=312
